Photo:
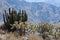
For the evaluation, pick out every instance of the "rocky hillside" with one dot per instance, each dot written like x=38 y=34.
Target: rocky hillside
x=37 y=12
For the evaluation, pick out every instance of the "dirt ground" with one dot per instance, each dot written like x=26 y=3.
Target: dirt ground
x=12 y=36
x=30 y=37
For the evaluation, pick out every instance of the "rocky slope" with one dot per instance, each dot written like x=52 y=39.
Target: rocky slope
x=37 y=12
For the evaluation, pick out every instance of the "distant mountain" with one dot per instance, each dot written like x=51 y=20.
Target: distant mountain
x=37 y=12
x=57 y=25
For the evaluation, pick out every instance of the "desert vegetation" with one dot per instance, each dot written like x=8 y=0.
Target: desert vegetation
x=17 y=23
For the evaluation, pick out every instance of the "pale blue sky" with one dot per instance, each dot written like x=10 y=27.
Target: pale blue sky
x=54 y=2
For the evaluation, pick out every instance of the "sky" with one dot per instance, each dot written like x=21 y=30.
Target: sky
x=53 y=2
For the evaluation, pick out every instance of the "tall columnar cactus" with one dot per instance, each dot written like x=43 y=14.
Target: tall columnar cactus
x=19 y=16
x=24 y=16
x=4 y=19
x=24 y=19
x=9 y=10
x=12 y=16
x=15 y=15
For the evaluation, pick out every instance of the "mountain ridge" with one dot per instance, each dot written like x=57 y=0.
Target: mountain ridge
x=37 y=12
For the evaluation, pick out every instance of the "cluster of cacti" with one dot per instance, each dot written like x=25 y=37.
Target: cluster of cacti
x=13 y=15
x=45 y=27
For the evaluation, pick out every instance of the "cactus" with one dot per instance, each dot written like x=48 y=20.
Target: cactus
x=24 y=19
x=4 y=19
x=24 y=16
x=15 y=15
x=19 y=16
x=12 y=16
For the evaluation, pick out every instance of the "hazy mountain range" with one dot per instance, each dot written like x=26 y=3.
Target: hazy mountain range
x=37 y=12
